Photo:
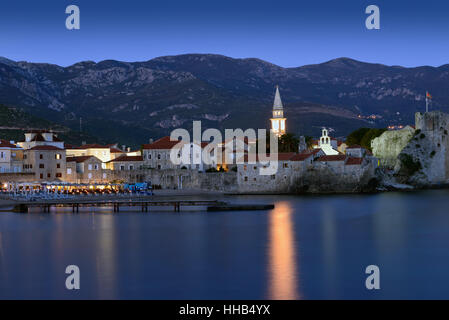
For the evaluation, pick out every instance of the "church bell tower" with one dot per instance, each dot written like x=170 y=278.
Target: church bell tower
x=278 y=120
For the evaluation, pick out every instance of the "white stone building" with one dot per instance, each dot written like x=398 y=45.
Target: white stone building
x=327 y=144
x=11 y=157
x=41 y=138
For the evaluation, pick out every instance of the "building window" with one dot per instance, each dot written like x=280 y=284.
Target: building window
x=273 y=176
x=89 y=176
x=25 y=156
x=285 y=165
x=149 y=156
x=58 y=156
x=158 y=166
x=58 y=175
x=96 y=166
x=159 y=156
x=48 y=175
x=89 y=167
x=58 y=166
x=69 y=170
x=41 y=156
x=41 y=176
x=131 y=167
x=41 y=166
x=104 y=175
x=122 y=167
x=246 y=179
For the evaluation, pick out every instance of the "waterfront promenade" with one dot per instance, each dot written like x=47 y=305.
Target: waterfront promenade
x=163 y=199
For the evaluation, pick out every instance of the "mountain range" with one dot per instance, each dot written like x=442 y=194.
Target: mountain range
x=131 y=102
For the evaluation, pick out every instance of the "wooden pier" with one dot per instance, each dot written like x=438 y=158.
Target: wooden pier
x=144 y=205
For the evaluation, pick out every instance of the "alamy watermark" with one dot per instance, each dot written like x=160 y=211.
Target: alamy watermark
x=373 y=280
x=73 y=20
x=72 y=282
x=209 y=148
x=373 y=20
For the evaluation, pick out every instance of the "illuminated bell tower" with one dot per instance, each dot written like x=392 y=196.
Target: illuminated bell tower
x=278 y=120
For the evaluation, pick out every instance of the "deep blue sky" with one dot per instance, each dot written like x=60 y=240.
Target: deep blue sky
x=287 y=33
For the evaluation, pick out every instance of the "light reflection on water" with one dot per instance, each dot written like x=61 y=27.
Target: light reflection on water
x=282 y=253
x=306 y=248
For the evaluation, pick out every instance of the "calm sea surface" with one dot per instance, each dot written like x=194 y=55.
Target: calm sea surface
x=313 y=247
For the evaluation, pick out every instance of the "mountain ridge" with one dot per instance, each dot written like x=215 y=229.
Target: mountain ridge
x=134 y=101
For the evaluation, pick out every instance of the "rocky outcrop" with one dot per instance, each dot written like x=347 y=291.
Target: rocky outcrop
x=390 y=144
x=425 y=159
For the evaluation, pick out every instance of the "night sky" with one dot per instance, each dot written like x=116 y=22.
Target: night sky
x=287 y=33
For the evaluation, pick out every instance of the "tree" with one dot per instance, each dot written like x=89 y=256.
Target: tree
x=309 y=142
x=363 y=137
x=356 y=136
x=288 y=143
x=370 y=136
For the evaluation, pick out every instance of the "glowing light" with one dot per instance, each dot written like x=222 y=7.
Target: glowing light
x=282 y=254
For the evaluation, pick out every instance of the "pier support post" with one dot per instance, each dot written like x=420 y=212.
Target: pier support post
x=22 y=208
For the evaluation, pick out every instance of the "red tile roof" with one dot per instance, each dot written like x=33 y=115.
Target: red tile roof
x=315 y=151
x=354 y=161
x=127 y=158
x=46 y=148
x=301 y=156
x=78 y=159
x=116 y=150
x=336 y=157
x=38 y=137
x=93 y=146
x=38 y=131
x=7 y=144
x=354 y=146
x=162 y=144
x=284 y=156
